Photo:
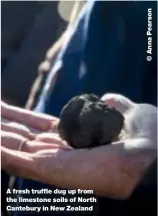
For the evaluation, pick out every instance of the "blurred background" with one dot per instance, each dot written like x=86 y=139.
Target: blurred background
x=30 y=37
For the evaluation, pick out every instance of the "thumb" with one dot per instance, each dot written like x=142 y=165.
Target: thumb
x=118 y=101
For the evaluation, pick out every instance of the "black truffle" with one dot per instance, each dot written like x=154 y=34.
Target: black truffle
x=85 y=122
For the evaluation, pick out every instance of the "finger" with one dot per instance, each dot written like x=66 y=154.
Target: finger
x=50 y=138
x=54 y=126
x=35 y=120
x=18 y=129
x=118 y=101
x=35 y=146
x=11 y=140
x=3 y=105
x=32 y=130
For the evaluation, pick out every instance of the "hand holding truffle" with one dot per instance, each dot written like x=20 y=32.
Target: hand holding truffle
x=86 y=121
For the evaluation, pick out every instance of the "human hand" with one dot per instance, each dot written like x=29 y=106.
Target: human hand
x=18 y=128
x=118 y=101
x=35 y=122
x=111 y=170
x=140 y=119
x=39 y=130
x=43 y=141
x=19 y=124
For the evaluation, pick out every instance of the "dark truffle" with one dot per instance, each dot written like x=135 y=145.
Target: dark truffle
x=85 y=122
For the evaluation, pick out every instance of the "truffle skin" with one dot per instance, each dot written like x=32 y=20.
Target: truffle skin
x=86 y=122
